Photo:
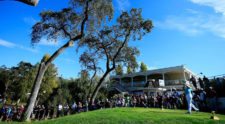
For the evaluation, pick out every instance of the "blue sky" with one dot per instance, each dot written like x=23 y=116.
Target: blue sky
x=189 y=32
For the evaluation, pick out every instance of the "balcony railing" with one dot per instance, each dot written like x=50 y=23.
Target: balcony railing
x=139 y=84
x=173 y=82
x=143 y=83
x=135 y=84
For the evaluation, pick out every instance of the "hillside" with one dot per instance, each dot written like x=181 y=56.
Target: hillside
x=136 y=116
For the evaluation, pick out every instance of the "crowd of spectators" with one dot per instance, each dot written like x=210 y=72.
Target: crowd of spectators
x=204 y=100
x=11 y=112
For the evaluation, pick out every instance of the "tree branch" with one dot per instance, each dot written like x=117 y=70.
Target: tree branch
x=120 y=48
x=83 y=22
x=79 y=36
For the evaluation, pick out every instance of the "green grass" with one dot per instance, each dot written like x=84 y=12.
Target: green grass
x=136 y=116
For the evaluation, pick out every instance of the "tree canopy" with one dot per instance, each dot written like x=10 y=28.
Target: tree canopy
x=143 y=67
x=17 y=81
x=119 y=70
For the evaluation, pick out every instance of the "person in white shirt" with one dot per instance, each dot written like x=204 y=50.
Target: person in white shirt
x=60 y=108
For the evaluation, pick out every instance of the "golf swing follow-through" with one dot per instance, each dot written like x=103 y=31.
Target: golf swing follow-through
x=188 y=94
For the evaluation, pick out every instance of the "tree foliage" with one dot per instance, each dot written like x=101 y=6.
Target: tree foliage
x=17 y=81
x=68 y=23
x=4 y=79
x=129 y=70
x=143 y=67
x=119 y=70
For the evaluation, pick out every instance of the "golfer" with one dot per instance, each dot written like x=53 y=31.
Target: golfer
x=188 y=93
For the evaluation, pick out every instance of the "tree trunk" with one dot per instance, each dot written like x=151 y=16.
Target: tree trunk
x=97 y=88
x=90 y=89
x=38 y=80
x=35 y=90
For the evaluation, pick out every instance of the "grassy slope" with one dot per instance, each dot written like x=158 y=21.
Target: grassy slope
x=136 y=116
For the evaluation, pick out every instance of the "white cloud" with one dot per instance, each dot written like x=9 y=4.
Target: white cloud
x=6 y=44
x=192 y=11
x=214 y=22
x=217 y=5
x=12 y=45
x=123 y=4
x=189 y=25
x=27 y=48
x=196 y=22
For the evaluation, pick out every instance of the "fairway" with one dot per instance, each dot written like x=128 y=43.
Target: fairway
x=136 y=116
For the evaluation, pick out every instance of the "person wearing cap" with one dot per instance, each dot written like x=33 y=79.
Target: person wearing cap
x=188 y=93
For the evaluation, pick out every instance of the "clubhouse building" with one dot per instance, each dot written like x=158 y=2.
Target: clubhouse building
x=151 y=81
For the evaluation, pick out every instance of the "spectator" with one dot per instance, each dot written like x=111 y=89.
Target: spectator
x=74 y=107
x=66 y=109
x=1 y=98
x=212 y=99
x=206 y=82
x=194 y=82
x=60 y=110
x=80 y=107
x=202 y=85
x=202 y=99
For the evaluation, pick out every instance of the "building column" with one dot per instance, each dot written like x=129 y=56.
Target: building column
x=146 y=78
x=163 y=74
x=132 y=82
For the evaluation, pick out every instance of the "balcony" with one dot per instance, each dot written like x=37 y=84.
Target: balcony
x=173 y=82
x=135 y=84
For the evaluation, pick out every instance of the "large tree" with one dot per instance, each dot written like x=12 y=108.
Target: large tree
x=111 y=42
x=71 y=24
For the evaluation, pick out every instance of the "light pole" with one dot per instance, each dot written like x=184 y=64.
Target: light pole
x=199 y=74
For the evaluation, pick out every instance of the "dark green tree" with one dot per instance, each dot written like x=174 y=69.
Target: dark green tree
x=119 y=70
x=4 y=79
x=143 y=67
x=22 y=77
x=18 y=80
x=129 y=70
